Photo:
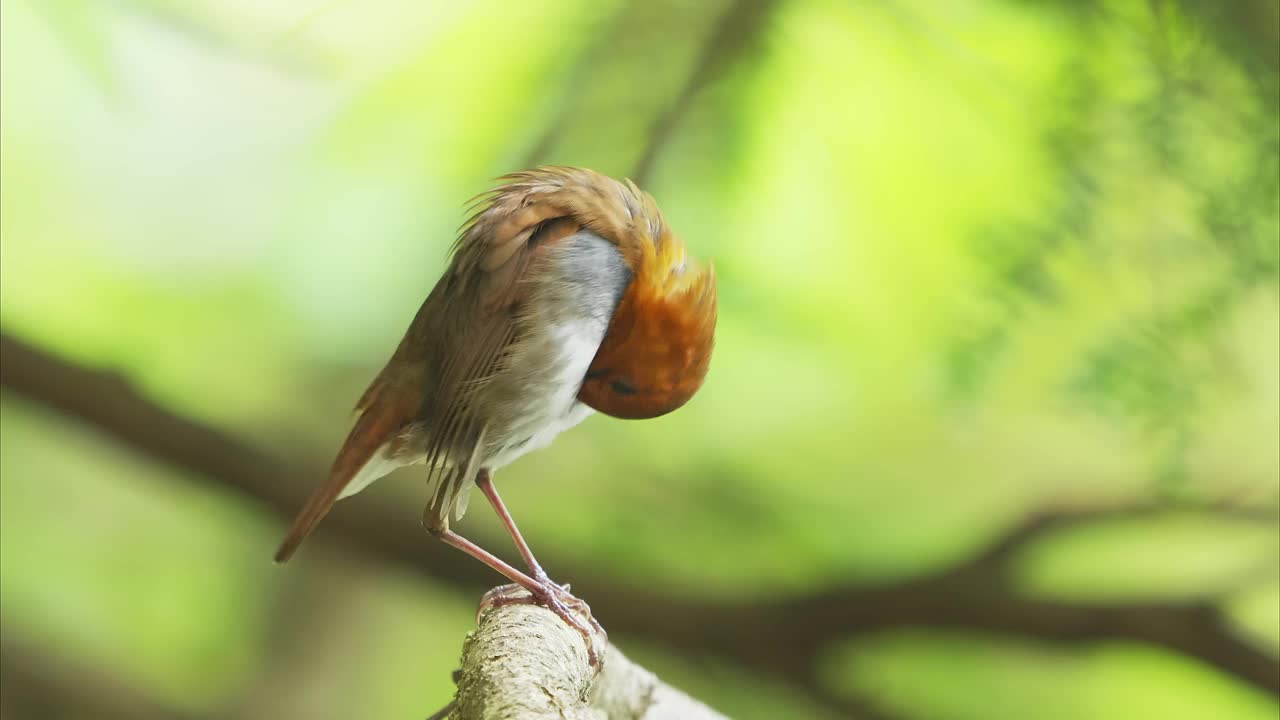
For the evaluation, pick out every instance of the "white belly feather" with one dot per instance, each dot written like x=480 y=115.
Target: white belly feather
x=550 y=414
x=568 y=316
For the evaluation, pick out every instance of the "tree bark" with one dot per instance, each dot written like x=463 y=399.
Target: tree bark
x=523 y=662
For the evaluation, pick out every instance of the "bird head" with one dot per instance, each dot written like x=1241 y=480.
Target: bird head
x=655 y=354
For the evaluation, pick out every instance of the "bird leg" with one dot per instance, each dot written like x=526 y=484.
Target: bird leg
x=556 y=597
x=485 y=482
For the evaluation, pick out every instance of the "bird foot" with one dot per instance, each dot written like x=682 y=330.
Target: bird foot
x=556 y=598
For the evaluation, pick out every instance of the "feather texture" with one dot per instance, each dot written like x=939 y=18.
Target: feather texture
x=493 y=362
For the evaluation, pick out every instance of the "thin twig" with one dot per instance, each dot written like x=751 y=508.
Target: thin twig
x=732 y=39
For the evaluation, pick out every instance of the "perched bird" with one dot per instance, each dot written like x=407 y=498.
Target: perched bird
x=566 y=292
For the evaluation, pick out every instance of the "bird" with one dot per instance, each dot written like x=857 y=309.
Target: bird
x=566 y=293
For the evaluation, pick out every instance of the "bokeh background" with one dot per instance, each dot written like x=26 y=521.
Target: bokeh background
x=990 y=432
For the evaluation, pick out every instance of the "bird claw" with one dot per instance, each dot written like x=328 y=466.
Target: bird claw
x=558 y=600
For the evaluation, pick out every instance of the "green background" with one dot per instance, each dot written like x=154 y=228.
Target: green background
x=979 y=263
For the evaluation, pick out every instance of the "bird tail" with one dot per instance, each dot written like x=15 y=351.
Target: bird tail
x=366 y=455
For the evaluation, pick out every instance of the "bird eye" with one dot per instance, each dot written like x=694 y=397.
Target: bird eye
x=623 y=387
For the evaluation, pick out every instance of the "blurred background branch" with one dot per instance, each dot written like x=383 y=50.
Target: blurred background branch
x=38 y=684
x=787 y=637
x=739 y=33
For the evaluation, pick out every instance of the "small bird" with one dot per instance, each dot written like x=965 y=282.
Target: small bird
x=566 y=293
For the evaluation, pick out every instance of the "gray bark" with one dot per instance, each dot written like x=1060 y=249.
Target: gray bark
x=524 y=663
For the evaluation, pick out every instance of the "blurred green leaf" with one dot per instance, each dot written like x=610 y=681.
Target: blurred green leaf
x=1171 y=556
x=959 y=677
x=108 y=557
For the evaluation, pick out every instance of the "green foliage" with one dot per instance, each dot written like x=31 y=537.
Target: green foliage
x=1156 y=558
x=970 y=678
x=139 y=573
x=975 y=259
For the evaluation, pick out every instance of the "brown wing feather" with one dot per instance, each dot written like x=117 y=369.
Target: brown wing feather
x=382 y=417
x=458 y=425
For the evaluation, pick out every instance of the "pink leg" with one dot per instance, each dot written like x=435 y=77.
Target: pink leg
x=546 y=592
x=546 y=588
x=453 y=539
x=485 y=481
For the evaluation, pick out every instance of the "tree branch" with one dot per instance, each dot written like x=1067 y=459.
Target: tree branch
x=41 y=683
x=735 y=36
x=524 y=662
x=788 y=636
